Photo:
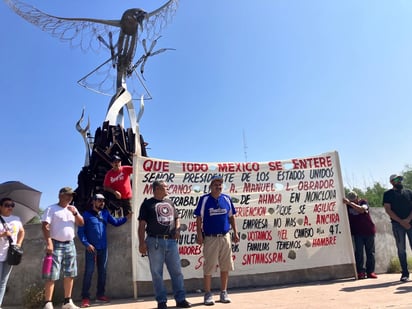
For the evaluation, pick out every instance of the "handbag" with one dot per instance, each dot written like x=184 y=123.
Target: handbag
x=15 y=252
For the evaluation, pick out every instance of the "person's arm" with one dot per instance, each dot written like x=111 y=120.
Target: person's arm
x=141 y=231
x=114 y=192
x=46 y=234
x=78 y=218
x=177 y=230
x=20 y=236
x=199 y=230
x=116 y=221
x=232 y=222
x=82 y=235
x=404 y=222
x=358 y=208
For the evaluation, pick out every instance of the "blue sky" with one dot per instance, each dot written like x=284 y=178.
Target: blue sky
x=285 y=79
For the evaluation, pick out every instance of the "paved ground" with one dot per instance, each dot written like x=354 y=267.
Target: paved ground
x=385 y=292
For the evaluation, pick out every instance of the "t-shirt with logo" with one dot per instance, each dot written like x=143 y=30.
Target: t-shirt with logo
x=215 y=213
x=120 y=181
x=160 y=216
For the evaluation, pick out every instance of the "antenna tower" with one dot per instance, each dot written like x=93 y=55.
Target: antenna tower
x=244 y=145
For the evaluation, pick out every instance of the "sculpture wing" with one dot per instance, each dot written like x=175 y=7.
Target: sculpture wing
x=157 y=20
x=79 y=32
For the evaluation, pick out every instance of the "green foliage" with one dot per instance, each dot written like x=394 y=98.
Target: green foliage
x=33 y=297
x=35 y=220
x=372 y=194
x=395 y=266
x=407 y=177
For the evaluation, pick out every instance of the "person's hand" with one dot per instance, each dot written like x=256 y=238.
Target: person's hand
x=236 y=238
x=143 y=248
x=91 y=248
x=405 y=224
x=129 y=215
x=346 y=200
x=117 y=194
x=199 y=239
x=6 y=234
x=49 y=248
x=72 y=209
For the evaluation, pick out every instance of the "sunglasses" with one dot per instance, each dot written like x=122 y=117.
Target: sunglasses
x=8 y=205
x=397 y=179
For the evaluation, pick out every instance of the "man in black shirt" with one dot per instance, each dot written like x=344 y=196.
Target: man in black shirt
x=398 y=205
x=159 y=218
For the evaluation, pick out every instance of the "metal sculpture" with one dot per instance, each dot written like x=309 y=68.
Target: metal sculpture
x=121 y=37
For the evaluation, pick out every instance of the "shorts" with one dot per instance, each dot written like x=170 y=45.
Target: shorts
x=217 y=251
x=64 y=259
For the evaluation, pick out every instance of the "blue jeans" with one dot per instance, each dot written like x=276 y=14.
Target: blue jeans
x=98 y=258
x=5 y=270
x=368 y=243
x=400 y=237
x=160 y=252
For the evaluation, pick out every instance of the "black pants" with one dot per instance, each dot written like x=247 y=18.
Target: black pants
x=368 y=243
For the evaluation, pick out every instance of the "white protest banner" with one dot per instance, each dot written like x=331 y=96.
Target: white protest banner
x=290 y=213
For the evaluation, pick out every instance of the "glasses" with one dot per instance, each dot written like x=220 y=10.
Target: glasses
x=100 y=199
x=8 y=205
x=397 y=179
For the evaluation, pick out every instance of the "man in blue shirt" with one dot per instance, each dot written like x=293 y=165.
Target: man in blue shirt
x=94 y=237
x=214 y=218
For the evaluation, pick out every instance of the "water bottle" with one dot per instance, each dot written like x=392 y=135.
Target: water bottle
x=47 y=264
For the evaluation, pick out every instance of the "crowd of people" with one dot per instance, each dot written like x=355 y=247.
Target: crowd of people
x=158 y=231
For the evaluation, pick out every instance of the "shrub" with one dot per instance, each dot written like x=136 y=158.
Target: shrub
x=33 y=297
x=395 y=266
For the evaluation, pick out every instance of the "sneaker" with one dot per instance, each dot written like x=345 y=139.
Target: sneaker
x=181 y=304
x=85 y=303
x=208 y=300
x=102 y=299
x=224 y=298
x=404 y=278
x=372 y=275
x=70 y=305
x=48 y=305
x=361 y=276
x=161 y=305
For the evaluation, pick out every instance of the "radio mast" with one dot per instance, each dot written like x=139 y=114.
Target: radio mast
x=244 y=145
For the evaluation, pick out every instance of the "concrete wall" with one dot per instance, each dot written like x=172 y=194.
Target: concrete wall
x=120 y=282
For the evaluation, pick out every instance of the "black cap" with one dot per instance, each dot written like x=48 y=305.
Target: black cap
x=116 y=158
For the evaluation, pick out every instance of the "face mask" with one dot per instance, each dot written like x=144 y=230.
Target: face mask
x=398 y=186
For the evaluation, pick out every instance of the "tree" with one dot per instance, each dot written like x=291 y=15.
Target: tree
x=407 y=177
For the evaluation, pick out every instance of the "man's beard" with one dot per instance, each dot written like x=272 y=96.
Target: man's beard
x=398 y=186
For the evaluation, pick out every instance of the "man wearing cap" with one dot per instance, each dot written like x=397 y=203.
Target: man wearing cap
x=117 y=182
x=214 y=218
x=94 y=237
x=58 y=225
x=363 y=233
x=398 y=205
x=159 y=219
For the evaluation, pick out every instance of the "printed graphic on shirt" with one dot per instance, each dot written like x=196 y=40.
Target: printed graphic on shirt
x=119 y=177
x=217 y=211
x=165 y=214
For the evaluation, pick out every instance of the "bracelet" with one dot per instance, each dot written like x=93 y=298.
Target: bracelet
x=75 y=214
